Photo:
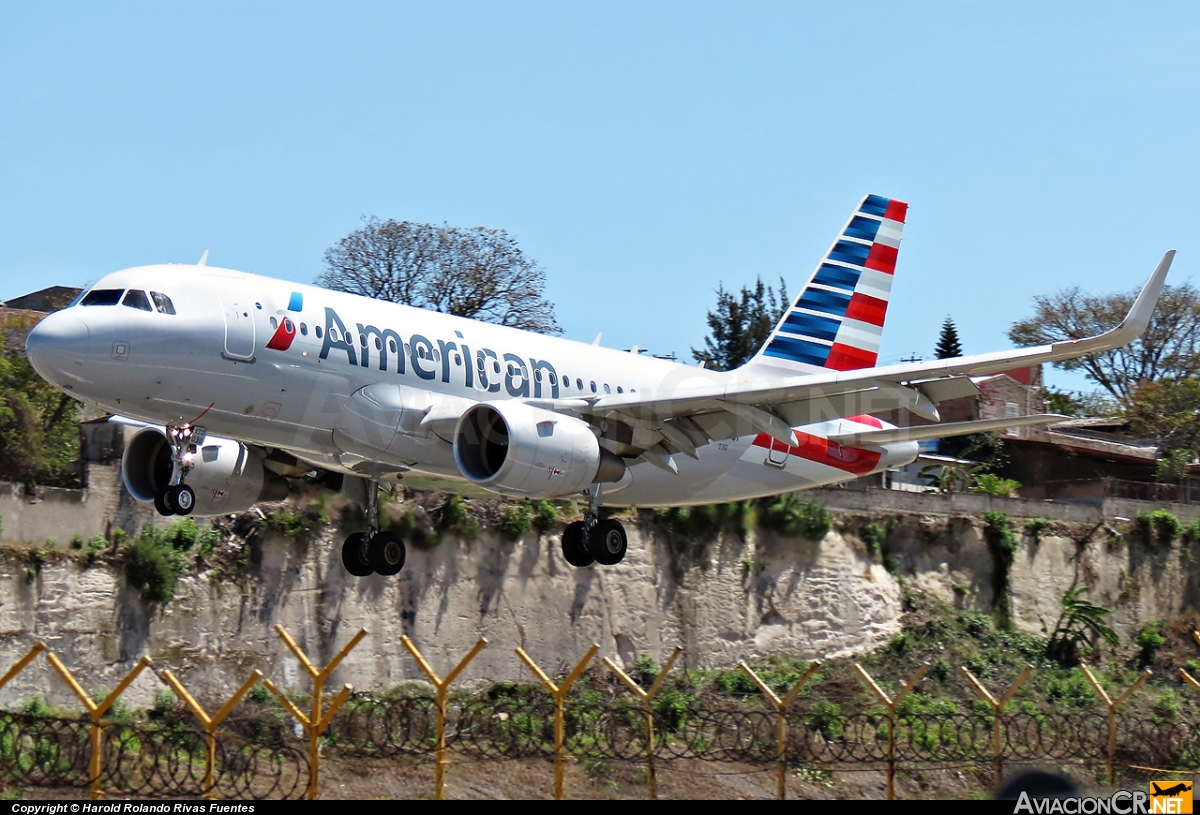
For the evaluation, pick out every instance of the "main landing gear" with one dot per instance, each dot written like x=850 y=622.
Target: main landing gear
x=593 y=540
x=178 y=498
x=373 y=551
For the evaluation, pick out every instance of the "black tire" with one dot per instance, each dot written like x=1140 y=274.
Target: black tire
x=608 y=543
x=574 y=545
x=387 y=553
x=354 y=556
x=160 y=504
x=182 y=499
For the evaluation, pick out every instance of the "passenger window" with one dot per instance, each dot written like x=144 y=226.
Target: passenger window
x=620 y=389
x=537 y=374
x=553 y=378
x=579 y=383
x=362 y=340
x=378 y=344
x=392 y=346
x=102 y=297
x=162 y=302
x=274 y=323
x=593 y=387
x=136 y=298
x=317 y=330
x=606 y=388
x=333 y=335
x=304 y=329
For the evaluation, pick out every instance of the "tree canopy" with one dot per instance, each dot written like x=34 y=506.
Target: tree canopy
x=39 y=434
x=1169 y=349
x=478 y=273
x=741 y=324
x=948 y=345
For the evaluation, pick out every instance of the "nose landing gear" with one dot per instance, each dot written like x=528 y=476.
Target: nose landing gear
x=178 y=498
x=373 y=551
x=593 y=540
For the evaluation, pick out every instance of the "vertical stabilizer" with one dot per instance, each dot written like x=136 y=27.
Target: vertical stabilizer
x=837 y=319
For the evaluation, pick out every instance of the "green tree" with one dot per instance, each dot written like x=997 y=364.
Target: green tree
x=1169 y=348
x=741 y=324
x=39 y=434
x=1169 y=411
x=1080 y=623
x=948 y=345
x=477 y=273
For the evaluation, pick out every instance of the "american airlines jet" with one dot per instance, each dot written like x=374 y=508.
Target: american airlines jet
x=240 y=381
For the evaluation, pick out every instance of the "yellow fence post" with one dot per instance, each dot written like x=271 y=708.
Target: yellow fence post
x=1112 y=706
x=22 y=663
x=211 y=723
x=442 y=686
x=891 y=705
x=316 y=722
x=647 y=697
x=560 y=695
x=781 y=723
x=96 y=711
x=997 y=705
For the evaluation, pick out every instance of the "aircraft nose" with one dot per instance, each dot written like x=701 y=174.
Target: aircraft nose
x=56 y=346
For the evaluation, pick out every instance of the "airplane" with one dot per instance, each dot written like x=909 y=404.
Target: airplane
x=1171 y=792
x=240 y=381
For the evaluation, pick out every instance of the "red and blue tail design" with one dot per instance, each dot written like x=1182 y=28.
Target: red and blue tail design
x=837 y=320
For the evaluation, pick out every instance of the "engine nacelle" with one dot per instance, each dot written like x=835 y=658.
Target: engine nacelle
x=514 y=448
x=226 y=475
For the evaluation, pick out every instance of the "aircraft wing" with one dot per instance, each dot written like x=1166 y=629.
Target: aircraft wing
x=682 y=417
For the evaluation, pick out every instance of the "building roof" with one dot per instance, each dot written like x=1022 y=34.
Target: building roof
x=51 y=298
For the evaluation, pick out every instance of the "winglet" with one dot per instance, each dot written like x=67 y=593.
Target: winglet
x=1135 y=321
x=203 y=259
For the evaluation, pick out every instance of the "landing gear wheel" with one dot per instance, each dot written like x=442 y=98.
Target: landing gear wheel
x=386 y=553
x=608 y=542
x=160 y=504
x=574 y=545
x=181 y=498
x=354 y=555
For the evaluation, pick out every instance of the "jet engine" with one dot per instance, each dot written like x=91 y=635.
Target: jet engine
x=517 y=449
x=226 y=475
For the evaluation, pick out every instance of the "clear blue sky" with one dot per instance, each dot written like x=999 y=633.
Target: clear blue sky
x=643 y=153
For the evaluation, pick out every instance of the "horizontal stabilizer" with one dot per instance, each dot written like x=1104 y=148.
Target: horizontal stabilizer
x=941 y=431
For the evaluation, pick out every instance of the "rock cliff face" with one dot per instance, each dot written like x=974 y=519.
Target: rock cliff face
x=722 y=601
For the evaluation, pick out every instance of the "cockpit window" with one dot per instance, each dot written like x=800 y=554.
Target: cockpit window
x=102 y=297
x=137 y=299
x=162 y=302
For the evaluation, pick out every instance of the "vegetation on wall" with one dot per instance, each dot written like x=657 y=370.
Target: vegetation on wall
x=39 y=431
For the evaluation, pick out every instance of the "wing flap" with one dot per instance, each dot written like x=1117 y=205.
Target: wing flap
x=941 y=431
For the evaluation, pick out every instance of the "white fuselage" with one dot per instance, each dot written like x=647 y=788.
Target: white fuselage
x=225 y=361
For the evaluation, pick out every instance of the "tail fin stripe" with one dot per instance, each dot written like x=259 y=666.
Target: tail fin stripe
x=862 y=228
x=827 y=302
x=882 y=258
x=839 y=277
x=848 y=358
x=889 y=234
x=822 y=328
x=853 y=253
x=866 y=309
x=858 y=334
x=896 y=211
x=797 y=350
x=875 y=205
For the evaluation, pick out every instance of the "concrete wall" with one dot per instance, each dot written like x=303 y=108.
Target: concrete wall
x=42 y=514
x=722 y=599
